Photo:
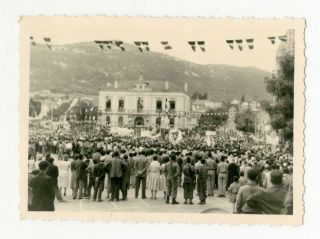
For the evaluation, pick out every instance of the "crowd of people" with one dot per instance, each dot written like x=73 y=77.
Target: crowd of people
x=256 y=180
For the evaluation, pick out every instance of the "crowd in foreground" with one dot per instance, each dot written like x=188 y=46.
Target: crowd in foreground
x=256 y=180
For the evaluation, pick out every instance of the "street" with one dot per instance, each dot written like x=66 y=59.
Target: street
x=214 y=204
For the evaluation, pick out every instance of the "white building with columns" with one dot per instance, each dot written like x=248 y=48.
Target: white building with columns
x=141 y=106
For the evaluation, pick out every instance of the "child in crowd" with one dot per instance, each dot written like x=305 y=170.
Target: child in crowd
x=242 y=179
x=233 y=191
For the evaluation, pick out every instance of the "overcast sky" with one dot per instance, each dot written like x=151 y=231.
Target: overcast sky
x=177 y=32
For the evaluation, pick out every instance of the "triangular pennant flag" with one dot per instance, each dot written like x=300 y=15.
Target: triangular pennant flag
x=239 y=42
x=272 y=40
x=32 y=41
x=230 y=43
x=201 y=44
x=47 y=39
x=250 y=43
x=193 y=45
x=283 y=38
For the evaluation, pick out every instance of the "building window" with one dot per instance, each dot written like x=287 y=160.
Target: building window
x=158 y=121
x=159 y=105
x=108 y=120
x=171 y=121
x=120 y=121
x=172 y=104
x=140 y=104
x=108 y=105
x=121 y=105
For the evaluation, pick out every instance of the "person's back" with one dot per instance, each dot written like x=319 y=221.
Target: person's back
x=172 y=169
x=81 y=170
x=245 y=191
x=115 y=167
x=42 y=190
x=140 y=165
x=211 y=164
x=272 y=200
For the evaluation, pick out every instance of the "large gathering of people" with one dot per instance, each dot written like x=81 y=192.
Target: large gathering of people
x=256 y=179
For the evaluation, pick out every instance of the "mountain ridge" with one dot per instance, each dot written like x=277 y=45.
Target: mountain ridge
x=85 y=68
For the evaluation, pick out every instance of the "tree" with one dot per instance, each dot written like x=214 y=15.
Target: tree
x=282 y=87
x=245 y=121
x=213 y=118
x=34 y=107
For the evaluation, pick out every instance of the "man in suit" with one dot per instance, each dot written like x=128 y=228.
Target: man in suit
x=141 y=166
x=42 y=190
x=115 y=168
x=81 y=177
x=53 y=172
x=171 y=171
x=126 y=177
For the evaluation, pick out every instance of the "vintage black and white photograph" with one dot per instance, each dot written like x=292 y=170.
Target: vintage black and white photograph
x=162 y=117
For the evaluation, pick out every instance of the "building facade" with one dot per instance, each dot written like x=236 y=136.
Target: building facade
x=141 y=106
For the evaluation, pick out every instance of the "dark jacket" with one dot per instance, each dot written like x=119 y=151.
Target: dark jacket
x=99 y=172
x=43 y=193
x=116 y=167
x=270 y=201
x=81 y=173
x=141 y=166
x=53 y=172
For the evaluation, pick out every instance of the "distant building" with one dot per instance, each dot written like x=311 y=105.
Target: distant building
x=205 y=105
x=142 y=106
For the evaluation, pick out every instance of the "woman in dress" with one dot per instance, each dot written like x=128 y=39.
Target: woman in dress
x=64 y=169
x=154 y=177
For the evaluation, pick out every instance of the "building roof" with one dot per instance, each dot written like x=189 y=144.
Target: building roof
x=143 y=86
